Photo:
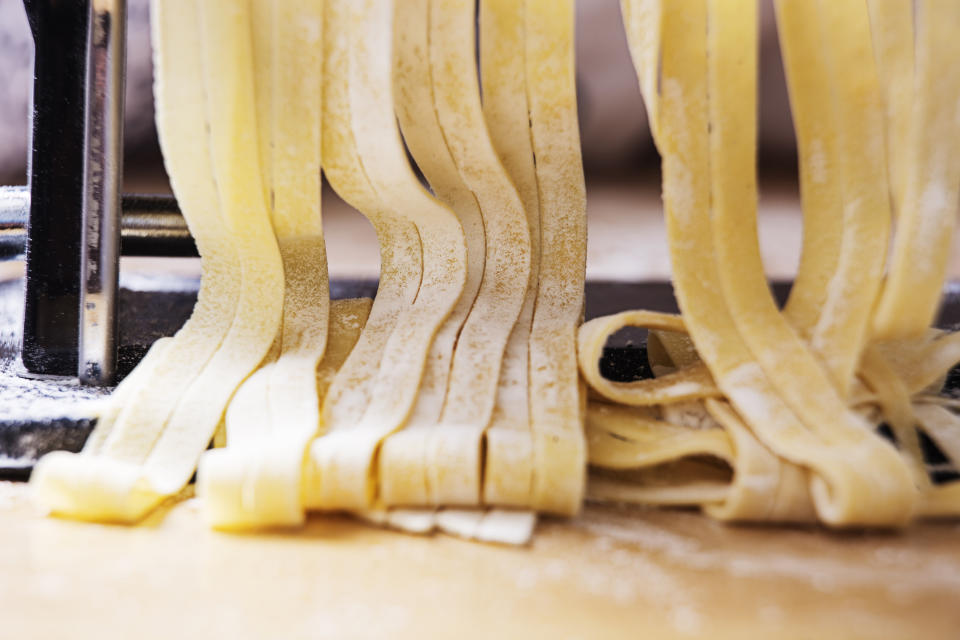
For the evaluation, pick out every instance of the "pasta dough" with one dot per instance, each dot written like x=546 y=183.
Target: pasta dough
x=435 y=459
x=928 y=205
x=256 y=480
x=344 y=457
x=556 y=401
x=797 y=413
x=267 y=446
x=453 y=402
x=508 y=464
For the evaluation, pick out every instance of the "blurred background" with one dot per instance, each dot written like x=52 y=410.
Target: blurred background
x=627 y=240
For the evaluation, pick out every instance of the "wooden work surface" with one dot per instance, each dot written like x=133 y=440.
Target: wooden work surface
x=608 y=573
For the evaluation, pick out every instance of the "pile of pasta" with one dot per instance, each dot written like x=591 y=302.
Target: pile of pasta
x=454 y=400
x=768 y=415
x=451 y=401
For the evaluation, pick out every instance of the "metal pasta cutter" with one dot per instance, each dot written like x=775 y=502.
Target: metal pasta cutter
x=74 y=213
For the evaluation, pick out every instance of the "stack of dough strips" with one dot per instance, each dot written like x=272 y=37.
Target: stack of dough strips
x=453 y=400
x=793 y=402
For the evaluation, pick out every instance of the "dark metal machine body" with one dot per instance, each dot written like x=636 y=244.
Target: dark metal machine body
x=71 y=221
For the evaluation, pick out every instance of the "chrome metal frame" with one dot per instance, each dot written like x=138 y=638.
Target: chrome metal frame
x=71 y=222
x=103 y=177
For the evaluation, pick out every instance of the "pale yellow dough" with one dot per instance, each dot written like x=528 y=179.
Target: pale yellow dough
x=457 y=401
x=256 y=481
x=508 y=464
x=344 y=474
x=261 y=468
x=557 y=403
x=806 y=388
x=435 y=459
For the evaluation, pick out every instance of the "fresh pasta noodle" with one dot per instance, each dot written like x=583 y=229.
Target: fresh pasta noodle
x=804 y=390
x=468 y=396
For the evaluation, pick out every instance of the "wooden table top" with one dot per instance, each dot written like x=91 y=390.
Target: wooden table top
x=608 y=573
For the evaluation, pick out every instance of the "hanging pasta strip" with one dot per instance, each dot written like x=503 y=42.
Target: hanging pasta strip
x=260 y=470
x=420 y=125
x=891 y=25
x=718 y=490
x=732 y=45
x=922 y=364
x=295 y=212
x=228 y=66
x=842 y=329
x=440 y=169
x=508 y=471
x=454 y=457
x=344 y=459
x=689 y=383
x=928 y=209
x=404 y=473
x=770 y=338
x=908 y=356
x=741 y=269
x=641 y=18
x=556 y=399
x=453 y=109
x=247 y=417
x=144 y=408
x=943 y=427
x=295 y=146
x=842 y=492
x=807 y=77
x=400 y=252
x=805 y=68
x=116 y=487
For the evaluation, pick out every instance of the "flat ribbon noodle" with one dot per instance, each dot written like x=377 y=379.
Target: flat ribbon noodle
x=556 y=399
x=343 y=459
x=405 y=475
x=690 y=383
x=263 y=460
x=928 y=208
x=508 y=470
x=695 y=123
